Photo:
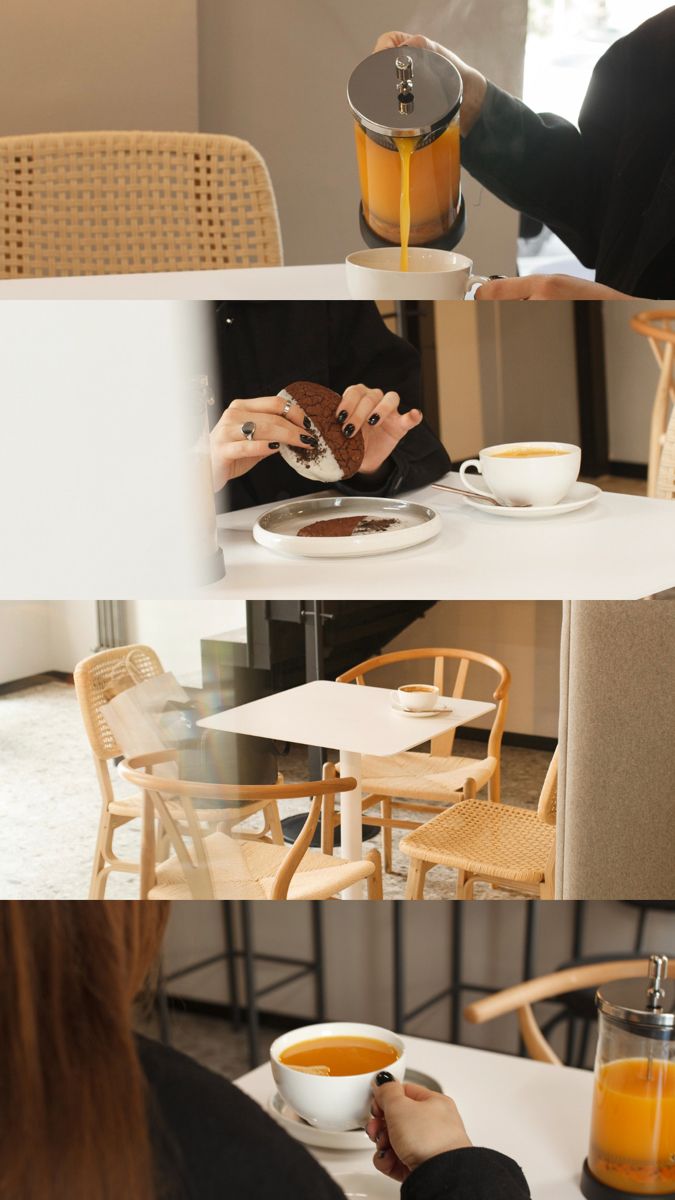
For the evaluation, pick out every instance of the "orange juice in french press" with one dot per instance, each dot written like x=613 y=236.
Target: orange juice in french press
x=632 y=1143
x=406 y=104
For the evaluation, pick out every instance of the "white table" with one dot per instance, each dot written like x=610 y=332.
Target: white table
x=354 y=720
x=536 y=1113
x=321 y=282
x=618 y=548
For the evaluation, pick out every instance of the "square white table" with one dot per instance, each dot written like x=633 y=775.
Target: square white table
x=536 y=1113
x=351 y=719
x=618 y=548
x=314 y=282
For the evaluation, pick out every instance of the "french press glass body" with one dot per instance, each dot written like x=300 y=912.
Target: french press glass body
x=406 y=105
x=632 y=1146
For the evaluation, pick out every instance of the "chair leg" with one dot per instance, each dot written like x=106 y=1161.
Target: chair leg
x=99 y=876
x=273 y=823
x=417 y=873
x=467 y=888
x=375 y=880
x=387 y=834
x=494 y=786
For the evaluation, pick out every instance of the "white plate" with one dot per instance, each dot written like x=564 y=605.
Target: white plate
x=362 y=1185
x=331 y=1139
x=578 y=496
x=277 y=529
x=441 y=707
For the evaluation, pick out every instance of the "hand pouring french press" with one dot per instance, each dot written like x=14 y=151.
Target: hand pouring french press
x=406 y=103
x=632 y=1148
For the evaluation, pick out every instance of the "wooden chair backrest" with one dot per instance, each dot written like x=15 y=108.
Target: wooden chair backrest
x=658 y=326
x=548 y=797
x=157 y=789
x=440 y=656
x=119 y=202
x=522 y=996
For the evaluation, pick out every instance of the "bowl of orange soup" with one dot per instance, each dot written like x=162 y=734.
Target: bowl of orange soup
x=325 y=1071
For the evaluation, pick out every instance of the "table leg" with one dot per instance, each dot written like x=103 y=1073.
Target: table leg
x=351 y=824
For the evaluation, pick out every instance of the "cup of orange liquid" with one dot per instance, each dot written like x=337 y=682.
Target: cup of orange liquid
x=431 y=275
x=632 y=1143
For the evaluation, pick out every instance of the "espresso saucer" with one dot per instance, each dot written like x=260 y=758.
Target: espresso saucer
x=441 y=707
x=579 y=495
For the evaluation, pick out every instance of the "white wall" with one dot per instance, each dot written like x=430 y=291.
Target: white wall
x=174 y=628
x=44 y=635
x=90 y=64
x=277 y=74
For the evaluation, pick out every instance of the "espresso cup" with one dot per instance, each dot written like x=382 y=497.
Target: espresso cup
x=336 y=1102
x=539 y=479
x=431 y=275
x=417 y=697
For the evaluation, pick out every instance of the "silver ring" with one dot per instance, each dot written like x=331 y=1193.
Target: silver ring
x=287 y=406
x=248 y=430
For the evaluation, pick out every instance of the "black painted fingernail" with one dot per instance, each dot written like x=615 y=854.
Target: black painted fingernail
x=374 y=419
x=273 y=445
x=383 y=1077
x=307 y=423
x=309 y=441
x=342 y=416
x=348 y=430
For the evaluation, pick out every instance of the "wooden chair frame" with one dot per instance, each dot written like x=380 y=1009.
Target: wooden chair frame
x=138 y=771
x=98 y=679
x=658 y=326
x=441 y=745
x=522 y=996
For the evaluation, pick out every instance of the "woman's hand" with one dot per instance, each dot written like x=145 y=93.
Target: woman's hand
x=232 y=454
x=376 y=414
x=546 y=287
x=475 y=84
x=409 y=1125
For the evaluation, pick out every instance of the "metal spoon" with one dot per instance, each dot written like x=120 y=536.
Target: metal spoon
x=444 y=487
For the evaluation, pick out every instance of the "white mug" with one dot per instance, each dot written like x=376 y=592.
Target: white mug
x=331 y=1101
x=417 y=697
x=540 y=480
x=432 y=274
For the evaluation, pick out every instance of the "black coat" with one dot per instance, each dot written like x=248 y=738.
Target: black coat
x=212 y=1142
x=607 y=188
x=263 y=346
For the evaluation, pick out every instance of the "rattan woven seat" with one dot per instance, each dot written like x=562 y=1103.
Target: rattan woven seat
x=125 y=202
x=498 y=843
x=97 y=679
x=218 y=867
x=247 y=871
x=416 y=782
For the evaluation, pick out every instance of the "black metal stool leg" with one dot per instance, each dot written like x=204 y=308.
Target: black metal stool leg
x=231 y=962
x=317 y=946
x=398 y=970
x=640 y=931
x=162 y=1009
x=249 y=973
x=456 y=969
x=531 y=914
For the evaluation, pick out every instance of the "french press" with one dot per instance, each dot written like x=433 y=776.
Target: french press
x=632 y=1146
x=406 y=104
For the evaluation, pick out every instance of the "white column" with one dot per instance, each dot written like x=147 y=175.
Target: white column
x=350 y=807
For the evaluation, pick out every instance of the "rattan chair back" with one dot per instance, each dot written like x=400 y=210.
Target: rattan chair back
x=125 y=202
x=101 y=677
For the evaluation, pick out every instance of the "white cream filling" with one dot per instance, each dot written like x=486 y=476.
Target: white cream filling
x=325 y=469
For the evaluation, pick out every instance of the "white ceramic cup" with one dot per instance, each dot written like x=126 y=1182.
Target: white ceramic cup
x=431 y=275
x=411 y=697
x=335 y=1102
x=542 y=480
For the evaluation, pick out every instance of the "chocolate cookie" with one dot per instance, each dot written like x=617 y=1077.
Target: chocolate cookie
x=346 y=526
x=336 y=456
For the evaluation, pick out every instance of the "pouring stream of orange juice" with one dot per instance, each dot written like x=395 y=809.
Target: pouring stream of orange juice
x=406 y=147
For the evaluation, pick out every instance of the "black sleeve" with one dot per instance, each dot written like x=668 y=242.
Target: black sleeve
x=212 y=1142
x=363 y=350
x=470 y=1174
x=543 y=165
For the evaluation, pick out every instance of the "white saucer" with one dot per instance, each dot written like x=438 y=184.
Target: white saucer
x=441 y=707
x=578 y=496
x=362 y=1185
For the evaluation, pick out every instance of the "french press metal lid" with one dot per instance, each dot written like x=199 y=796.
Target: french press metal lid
x=644 y=1007
x=405 y=92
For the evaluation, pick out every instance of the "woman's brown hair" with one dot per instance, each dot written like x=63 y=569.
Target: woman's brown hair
x=73 y=1108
